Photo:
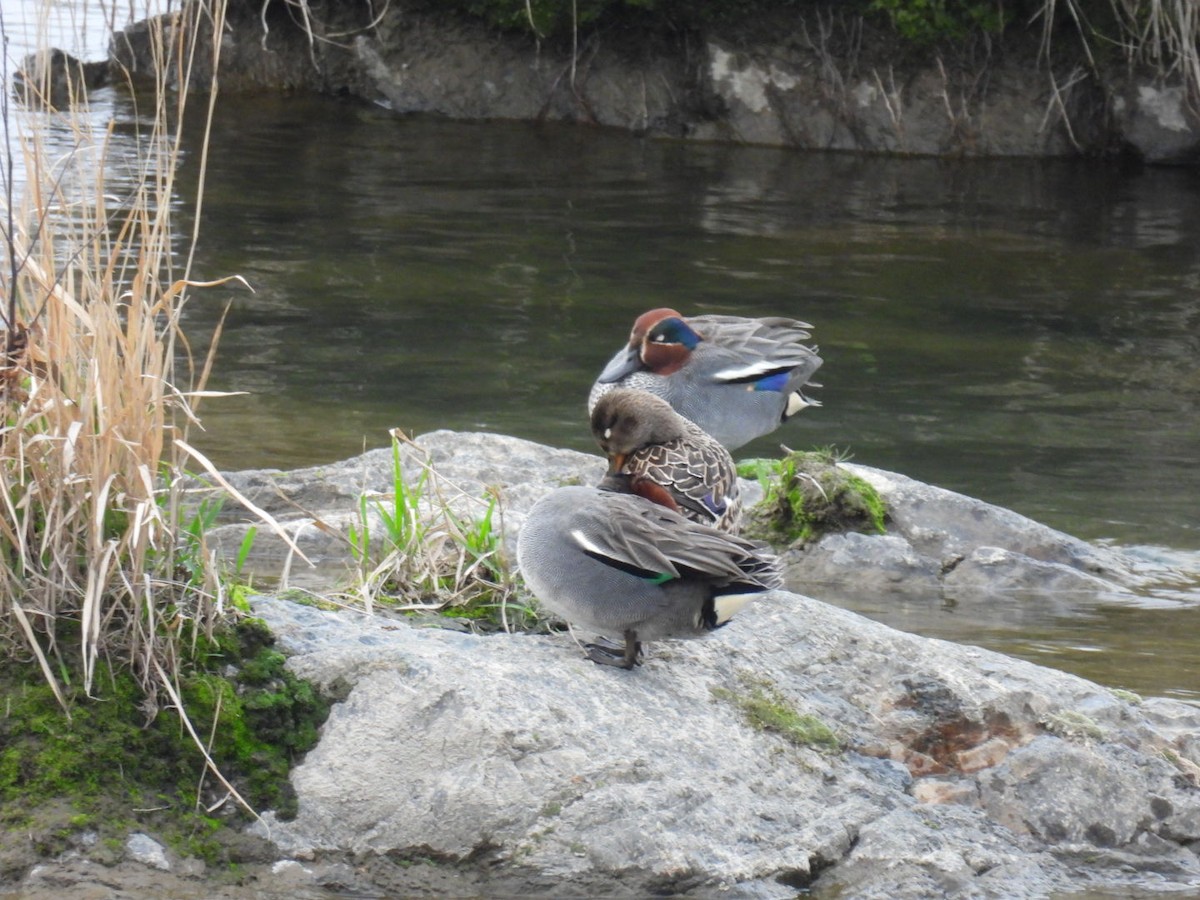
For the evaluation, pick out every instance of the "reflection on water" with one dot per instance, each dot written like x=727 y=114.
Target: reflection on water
x=1025 y=332
x=102 y=133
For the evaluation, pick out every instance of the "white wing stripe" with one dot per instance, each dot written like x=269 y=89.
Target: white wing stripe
x=761 y=367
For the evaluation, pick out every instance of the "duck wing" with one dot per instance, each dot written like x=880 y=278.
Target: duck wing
x=749 y=351
x=642 y=538
x=696 y=470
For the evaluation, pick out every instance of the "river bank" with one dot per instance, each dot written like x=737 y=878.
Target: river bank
x=816 y=78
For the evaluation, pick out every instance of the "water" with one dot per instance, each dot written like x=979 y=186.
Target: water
x=1025 y=332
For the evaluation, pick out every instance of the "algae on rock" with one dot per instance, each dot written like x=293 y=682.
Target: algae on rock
x=807 y=495
x=121 y=760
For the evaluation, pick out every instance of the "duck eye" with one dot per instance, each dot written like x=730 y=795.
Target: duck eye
x=660 y=338
x=607 y=433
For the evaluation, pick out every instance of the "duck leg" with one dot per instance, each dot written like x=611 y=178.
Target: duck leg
x=633 y=649
x=626 y=657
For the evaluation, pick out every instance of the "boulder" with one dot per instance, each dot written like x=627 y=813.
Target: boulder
x=1159 y=122
x=54 y=79
x=801 y=746
x=956 y=771
x=940 y=544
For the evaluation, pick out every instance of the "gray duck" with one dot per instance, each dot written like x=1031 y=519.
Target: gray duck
x=736 y=378
x=629 y=570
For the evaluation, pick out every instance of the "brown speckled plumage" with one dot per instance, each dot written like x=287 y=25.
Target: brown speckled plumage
x=658 y=454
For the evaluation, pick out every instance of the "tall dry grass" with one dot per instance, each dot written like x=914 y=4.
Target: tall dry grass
x=1162 y=35
x=98 y=385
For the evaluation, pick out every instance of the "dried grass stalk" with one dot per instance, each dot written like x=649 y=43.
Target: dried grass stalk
x=93 y=398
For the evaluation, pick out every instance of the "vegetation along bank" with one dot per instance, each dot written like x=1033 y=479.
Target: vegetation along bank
x=1038 y=78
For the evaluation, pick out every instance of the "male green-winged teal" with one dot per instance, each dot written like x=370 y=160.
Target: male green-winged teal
x=656 y=453
x=622 y=567
x=736 y=378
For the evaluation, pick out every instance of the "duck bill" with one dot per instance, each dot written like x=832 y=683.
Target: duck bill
x=626 y=362
x=616 y=464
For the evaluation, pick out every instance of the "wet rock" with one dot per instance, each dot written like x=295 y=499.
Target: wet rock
x=54 y=79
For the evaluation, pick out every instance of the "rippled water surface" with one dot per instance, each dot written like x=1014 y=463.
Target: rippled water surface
x=1025 y=332
x=1021 y=331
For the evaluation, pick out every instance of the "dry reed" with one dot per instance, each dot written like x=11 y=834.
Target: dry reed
x=97 y=383
x=1162 y=35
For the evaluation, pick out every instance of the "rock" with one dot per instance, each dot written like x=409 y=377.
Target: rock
x=967 y=551
x=54 y=79
x=940 y=546
x=290 y=873
x=957 y=771
x=816 y=80
x=1158 y=121
x=961 y=772
x=319 y=504
x=811 y=91
x=469 y=74
x=144 y=849
x=1047 y=790
x=893 y=567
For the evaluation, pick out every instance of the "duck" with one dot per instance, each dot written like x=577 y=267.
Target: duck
x=656 y=453
x=737 y=378
x=629 y=570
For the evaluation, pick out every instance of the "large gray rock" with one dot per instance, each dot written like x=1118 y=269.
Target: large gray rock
x=939 y=543
x=960 y=772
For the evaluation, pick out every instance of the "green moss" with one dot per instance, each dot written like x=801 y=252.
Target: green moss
x=477 y=612
x=123 y=759
x=925 y=22
x=766 y=709
x=1069 y=723
x=306 y=598
x=807 y=495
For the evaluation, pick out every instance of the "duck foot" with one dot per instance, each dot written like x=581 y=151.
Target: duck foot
x=606 y=654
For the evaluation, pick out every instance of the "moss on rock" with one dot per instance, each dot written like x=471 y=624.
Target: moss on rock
x=807 y=495
x=765 y=708
x=124 y=761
